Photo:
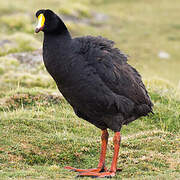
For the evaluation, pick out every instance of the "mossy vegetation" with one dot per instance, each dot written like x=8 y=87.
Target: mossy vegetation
x=39 y=132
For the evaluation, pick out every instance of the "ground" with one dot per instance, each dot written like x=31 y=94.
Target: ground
x=39 y=132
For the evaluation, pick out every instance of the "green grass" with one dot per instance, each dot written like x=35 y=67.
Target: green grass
x=40 y=135
x=39 y=132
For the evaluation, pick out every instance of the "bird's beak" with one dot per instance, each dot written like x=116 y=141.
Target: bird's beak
x=40 y=25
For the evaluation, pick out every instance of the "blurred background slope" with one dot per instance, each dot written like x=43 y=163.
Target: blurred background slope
x=36 y=122
x=149 y=32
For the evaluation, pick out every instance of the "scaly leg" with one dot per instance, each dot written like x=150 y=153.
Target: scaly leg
x=101 y=165
x=112 y=172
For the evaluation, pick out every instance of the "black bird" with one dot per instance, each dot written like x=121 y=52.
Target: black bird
x=96 y=80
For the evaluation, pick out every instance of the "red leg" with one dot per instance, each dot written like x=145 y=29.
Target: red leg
x=116 y=140
x=104 y=139
x=101 y=165
x=112 y=172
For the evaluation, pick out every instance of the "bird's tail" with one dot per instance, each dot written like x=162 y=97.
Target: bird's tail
x=143 y=110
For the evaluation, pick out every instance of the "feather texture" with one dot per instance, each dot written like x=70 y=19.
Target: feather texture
x=95 y=79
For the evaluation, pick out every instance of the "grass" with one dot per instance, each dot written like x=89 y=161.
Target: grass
x=39 y=132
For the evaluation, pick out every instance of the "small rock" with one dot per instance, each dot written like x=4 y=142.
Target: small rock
x=3 y=42
x=163 y=55
x=6 y=45
x=30 y=58
x=99 y=17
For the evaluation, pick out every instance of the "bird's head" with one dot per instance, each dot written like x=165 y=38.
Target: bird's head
x=49 y=22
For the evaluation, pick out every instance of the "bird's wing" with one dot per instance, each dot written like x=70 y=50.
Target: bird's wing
x=111 y=66
x=123 y=80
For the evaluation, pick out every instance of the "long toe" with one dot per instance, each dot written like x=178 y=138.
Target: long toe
x=97 y=175
x=95 y=170
x=70 y=168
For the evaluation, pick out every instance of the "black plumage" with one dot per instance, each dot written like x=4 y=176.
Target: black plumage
x=93 y=76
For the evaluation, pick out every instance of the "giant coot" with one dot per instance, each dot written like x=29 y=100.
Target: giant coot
x=96 y=80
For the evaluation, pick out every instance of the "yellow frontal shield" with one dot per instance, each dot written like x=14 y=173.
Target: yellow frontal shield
x=40 y=25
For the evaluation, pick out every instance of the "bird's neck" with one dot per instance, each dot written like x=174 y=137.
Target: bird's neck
x=56 y=48
x=54 y=39
x=56 y=44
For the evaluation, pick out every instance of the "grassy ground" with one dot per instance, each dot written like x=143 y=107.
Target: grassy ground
x=40 y=134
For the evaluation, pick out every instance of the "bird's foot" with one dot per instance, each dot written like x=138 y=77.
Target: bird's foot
x=97 y=175
x=95 y=170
